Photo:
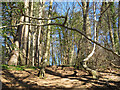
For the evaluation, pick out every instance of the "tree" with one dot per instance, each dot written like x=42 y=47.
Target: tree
x=25 y=33
x=114 y=27
x=46 y=55
x=119 y=23
x=17 y=42
x=57 y=37
x=93 y=72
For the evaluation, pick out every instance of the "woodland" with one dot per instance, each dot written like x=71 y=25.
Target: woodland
x=60 y=45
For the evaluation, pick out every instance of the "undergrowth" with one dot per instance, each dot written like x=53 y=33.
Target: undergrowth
x=18 y=68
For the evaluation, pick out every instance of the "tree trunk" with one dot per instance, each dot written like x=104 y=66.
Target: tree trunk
x=86 y=28
x=33 y=47
x=93 y=72
x=26 y=31
x=60 y=40
x=119 y=24
x=39 y=32
x=110 y=31
x=116 y=38
x=29 y=35
x=46 y=55
x=14 y=58
x=17 y=41
x=72 y=52
x=53 y=56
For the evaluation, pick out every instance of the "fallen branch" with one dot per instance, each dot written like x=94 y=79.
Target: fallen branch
x=115 y=65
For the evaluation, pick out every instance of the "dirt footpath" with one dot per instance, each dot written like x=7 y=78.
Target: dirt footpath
x=59 y=79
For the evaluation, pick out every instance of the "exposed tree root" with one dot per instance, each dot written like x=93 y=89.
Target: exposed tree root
x=114 y=65
x=94 y=73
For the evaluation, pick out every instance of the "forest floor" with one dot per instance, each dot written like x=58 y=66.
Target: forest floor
x=59 y=79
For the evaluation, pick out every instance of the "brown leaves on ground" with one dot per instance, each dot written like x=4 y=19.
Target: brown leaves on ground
x=60 y=78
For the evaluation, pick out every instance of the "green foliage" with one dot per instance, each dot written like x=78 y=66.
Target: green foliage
x=4 y=35
x=18 y=68
x=5 y=66
x=30 y=67
x=103 y=66
x=67 y=65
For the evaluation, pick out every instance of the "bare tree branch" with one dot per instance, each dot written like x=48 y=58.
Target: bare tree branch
x=73 y=29
x=44 y=18
x=77 y=30
x=66 y=17
x=105 y=10
x=80 y=4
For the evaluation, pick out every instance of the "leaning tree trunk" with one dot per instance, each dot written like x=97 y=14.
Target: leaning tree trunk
x=110 y=30
x=114 y=27
x=14 y=58
x=93 y=72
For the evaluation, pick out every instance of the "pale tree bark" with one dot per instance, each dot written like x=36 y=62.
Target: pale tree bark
x=65 y=39
x=86 y=27
x=77 y=30
x=39 y=31
x=33 y=46
x=79 y=51
x=66 y=44
x=60 y=40
x=87 y=31
x=72 y=51
x=52 y=53
x=110 y=30
x=53 y=56
x=116 y=38
x=21 y=40
x=93 y=72
x=33 y=35
x=34 y=39
x=46 y=55
x=77 y=62
x=101 y=10
x=14 y=58
x=85 y=15
x=29 y=36
x=26 y=31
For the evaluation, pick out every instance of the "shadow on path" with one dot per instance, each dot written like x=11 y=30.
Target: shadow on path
x=33 y=85
x=88 y=79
